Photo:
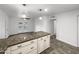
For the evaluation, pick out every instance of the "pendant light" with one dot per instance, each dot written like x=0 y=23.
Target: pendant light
x=24 y=15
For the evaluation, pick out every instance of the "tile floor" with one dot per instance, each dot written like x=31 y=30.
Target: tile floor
x=58 y=47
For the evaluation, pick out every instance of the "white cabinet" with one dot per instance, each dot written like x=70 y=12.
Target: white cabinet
x=23 y=48
x=31 y=47
x=40 y=45
x=46 y=42
x=43 y=43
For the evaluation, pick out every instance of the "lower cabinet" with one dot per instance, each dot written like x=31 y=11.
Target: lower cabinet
x=43 y=43
x=40 y=45
x=23 y=48
x=46 y=42
x=31 y=47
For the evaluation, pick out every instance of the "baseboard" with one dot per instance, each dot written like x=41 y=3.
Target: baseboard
x=69 y=45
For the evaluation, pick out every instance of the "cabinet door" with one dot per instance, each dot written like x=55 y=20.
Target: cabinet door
x=43 y=43
x=46 y=42
x=40 y=45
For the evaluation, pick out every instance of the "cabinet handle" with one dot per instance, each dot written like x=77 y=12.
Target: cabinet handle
x=44 y=40
x=32 y=47
x=19 y=46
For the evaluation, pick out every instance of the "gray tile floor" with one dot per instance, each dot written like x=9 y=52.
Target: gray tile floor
x=58 y=47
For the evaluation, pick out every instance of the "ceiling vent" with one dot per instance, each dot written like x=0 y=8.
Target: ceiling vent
x=52 y=18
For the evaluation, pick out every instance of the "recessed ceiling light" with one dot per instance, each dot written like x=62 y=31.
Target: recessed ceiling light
x=40 y=18
x=46 y=10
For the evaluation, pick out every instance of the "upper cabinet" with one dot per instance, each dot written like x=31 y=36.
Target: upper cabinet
x=3 y=25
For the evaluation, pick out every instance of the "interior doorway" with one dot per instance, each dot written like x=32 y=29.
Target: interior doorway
x=54 y=21
x=53 y=28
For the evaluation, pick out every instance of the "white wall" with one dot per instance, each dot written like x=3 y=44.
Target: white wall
x=67 y=27
x=36 y=24
x=44 y=24
x=3 y=25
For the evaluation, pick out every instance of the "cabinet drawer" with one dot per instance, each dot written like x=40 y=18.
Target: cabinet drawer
x=25 y=49
x=18 y=51
x=22 y=45
x=29 y=48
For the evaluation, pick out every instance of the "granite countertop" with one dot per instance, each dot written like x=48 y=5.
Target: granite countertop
x=20 y=38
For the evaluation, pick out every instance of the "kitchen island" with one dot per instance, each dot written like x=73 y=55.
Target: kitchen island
x=26 y=43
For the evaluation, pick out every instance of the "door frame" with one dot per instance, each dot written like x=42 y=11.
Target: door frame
x=77 y=31
x=55 y=22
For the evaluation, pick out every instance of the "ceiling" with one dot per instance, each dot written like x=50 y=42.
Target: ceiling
x=33 y=9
